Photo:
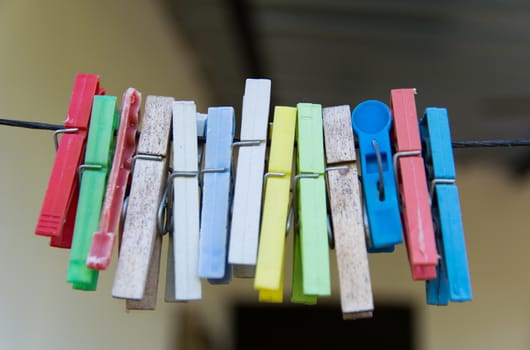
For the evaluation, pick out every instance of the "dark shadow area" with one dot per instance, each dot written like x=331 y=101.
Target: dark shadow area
x=321 y=327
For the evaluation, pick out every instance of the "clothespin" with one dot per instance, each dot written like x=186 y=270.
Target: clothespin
x=182 y=281
x=213 y=241
x=371 y=122
x=103 y=240
x=140 y=246
x=249 y=177
x=410 y=177
x=58 y=208
x=452 y=282
x=346 y=213
x=93 y=177
x=271 y=253
x=311 y=201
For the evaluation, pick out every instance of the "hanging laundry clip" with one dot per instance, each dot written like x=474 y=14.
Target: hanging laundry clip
x=103 y=240
x=93 y=176
x=182 y=193
x=346 y=212
x=271 y=253
x=310 y=203
x=57 y=216
x=244 y=228
x=140 y=247
x=410 y=177
x=452 y=282
x=182 y=281
x=216 y=193
x=371 y=122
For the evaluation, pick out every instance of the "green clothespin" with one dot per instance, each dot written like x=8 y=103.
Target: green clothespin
x=93 y=178
x=311 y=201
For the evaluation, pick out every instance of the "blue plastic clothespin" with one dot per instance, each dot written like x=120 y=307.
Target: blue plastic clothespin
x=371 y=122
x=216 y=196
x=452 y=282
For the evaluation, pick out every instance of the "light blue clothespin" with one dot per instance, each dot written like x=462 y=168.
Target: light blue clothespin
x=371 y=122
x=452 y=282
x=216 y=196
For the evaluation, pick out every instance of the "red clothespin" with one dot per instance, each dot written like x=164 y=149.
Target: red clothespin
x=57 y=214
x=103 y=241
x=410 y=174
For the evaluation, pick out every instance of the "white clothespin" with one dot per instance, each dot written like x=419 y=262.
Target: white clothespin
x=183 y=281
x=249 y=177
x=140 y=244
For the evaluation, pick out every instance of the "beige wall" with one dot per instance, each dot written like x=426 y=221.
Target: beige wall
x=130 y=43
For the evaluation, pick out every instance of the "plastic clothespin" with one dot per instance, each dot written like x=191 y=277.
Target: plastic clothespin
x=58 y=208
x=245 y=225
x=346 y=213
x=182 y=282
x=93 y=177
x=140 y=246
x=311 y=201
x=371 y=122
x=453 y=281
x=410 y=177
x=213 y=241
x=103 y=240
x=271 y=252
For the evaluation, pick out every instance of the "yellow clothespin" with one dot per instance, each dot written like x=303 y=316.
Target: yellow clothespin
x=271 y=252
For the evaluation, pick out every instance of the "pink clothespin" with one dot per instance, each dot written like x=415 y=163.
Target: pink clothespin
x=412 y=188
x=103 y=240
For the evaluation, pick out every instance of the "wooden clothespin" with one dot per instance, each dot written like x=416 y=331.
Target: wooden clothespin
x=271 y=254
x=311 y=201
x=93 y=177
x=216 y=188
x=410 y=177
x=246 y=211
x=371 y=122
x=452 y=282
x=346 y=213
x=57 y=216
x=103 y=240
x=140 y=246
x=183 y=281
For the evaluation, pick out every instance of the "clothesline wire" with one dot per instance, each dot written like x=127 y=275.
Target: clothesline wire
x=456 y=144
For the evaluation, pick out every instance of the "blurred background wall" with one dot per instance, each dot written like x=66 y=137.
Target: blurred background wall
x=141 y=44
